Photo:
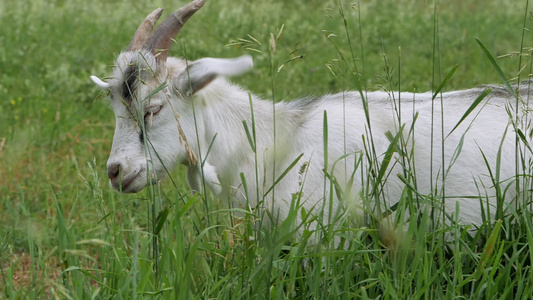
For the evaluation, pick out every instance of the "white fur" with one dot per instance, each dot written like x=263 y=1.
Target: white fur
x=200 y=108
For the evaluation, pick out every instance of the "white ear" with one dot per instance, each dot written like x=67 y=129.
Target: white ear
x=102 y=84
x=221 y=66
x=201 y=72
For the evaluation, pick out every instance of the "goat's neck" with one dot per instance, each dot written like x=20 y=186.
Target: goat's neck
x=216 y=115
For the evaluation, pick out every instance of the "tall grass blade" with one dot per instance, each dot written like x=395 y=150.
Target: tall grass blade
x=487 y=251
x=523 y=139
x=156 y=90
x=249 y=135
x=445 y=81
x=476 y=102
x=497 y=68
x=160 y=220
x=280 y=177
x=387 y=159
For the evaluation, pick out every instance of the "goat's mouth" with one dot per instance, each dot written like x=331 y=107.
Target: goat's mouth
x=130 y=183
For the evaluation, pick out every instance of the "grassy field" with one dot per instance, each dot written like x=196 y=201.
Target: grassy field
x=64 y=233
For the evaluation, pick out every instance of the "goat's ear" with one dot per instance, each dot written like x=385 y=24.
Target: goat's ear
x=201 y=72
x=102 y=84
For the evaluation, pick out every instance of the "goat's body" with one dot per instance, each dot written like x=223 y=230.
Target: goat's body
x=170 y=111
x=300 y=128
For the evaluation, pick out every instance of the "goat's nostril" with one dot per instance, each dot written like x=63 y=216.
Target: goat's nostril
x=113 y=171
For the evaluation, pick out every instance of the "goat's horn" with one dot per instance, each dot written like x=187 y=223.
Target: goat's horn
x=160 y=40
x=144 y=30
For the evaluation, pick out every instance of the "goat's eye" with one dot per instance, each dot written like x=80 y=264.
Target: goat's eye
x=152 y=111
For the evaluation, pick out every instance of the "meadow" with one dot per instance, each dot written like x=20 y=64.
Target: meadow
x=64 y=233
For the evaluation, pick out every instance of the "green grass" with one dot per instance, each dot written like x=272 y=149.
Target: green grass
x=64 y=233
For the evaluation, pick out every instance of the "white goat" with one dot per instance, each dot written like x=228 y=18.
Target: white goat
x=170 y=110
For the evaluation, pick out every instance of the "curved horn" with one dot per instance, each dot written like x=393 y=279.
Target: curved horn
x=160 y=40
x=144 y=30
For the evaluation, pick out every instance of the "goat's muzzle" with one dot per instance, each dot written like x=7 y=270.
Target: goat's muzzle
x=127 y=181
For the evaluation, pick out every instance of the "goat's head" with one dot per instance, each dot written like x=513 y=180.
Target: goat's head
x=144 y=89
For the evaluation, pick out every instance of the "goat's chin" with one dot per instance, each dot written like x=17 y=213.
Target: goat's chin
x=128 y=189
x=130 y=184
